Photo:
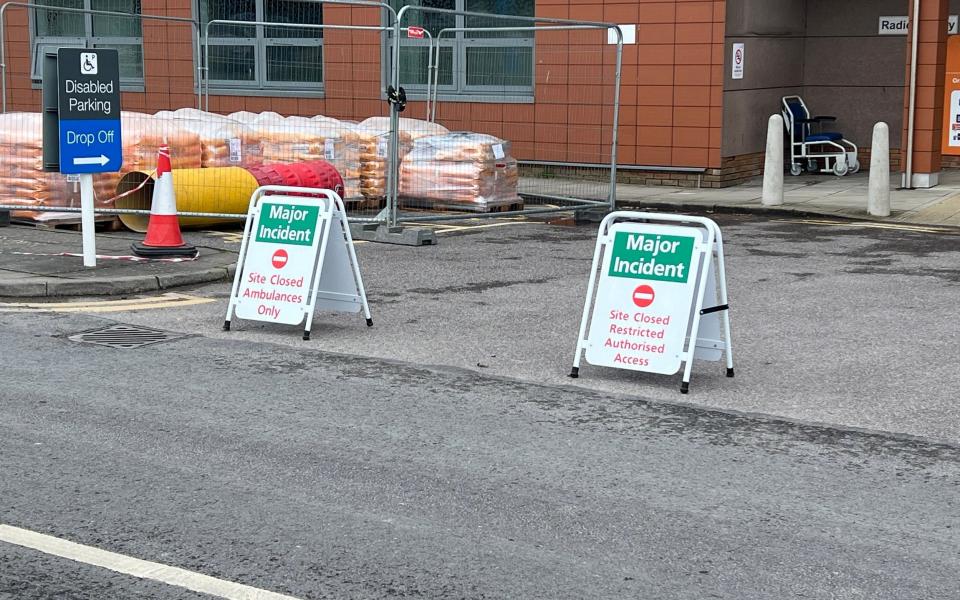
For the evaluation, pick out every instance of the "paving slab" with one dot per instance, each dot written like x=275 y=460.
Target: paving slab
x=814 y=194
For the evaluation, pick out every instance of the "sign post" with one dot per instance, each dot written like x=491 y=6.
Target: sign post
x=297 y=254
x=651 y=276
x=88 y=90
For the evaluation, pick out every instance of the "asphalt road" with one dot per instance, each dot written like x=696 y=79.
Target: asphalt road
x=844 y=325
x=444 y=454
x=330 y=476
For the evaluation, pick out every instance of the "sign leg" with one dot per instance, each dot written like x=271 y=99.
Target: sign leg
x=698 y=306
x=591 y=285
x=725 y=317
x=354 y=263
x=87 y=224
x=241 y=258
x=326 y=226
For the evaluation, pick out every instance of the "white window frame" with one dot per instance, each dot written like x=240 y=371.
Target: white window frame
x=460 y=42
x=260 y=43
x=39 y=45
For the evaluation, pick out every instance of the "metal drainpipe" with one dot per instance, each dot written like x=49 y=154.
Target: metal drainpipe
x=912 y=110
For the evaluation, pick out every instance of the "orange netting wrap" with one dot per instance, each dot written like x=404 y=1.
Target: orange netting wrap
x=224 y=142
x=22 y=178
x=438 y=168
x=461 y=170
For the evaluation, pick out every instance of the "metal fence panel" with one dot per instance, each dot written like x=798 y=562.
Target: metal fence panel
x=526 y=88
x=481 y=76
x=245 y=139
x=51 y=196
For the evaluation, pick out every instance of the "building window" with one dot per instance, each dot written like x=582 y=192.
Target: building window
x=472 y=63
x=56 y=29
x=264 y=58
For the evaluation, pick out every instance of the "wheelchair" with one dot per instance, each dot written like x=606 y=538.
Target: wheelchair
x=809 y=149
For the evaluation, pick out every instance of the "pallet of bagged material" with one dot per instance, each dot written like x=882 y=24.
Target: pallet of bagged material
x=461 y=172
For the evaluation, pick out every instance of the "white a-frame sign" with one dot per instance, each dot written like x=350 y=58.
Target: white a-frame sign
x=652 y=300
x=297 y=255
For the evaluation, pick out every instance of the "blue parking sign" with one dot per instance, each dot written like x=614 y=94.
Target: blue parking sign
x=89 y=110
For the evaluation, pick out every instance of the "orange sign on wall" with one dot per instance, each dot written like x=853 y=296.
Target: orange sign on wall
x=951 y=99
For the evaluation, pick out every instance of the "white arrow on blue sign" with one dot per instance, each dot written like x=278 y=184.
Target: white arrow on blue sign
x=91 y=160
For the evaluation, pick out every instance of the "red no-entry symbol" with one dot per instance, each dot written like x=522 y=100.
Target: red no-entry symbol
x=279 y=259
x=643 y=296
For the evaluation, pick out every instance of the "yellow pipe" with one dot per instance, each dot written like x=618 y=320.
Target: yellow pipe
x=215 y=189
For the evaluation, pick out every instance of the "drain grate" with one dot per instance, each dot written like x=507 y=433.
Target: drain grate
x=124 y=336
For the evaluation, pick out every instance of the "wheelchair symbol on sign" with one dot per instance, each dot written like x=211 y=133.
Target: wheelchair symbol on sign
x=88 y=63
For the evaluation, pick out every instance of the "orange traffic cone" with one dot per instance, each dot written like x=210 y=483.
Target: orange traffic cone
x=163 y=231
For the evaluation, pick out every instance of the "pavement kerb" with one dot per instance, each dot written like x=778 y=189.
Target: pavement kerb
x=28 y=287
x=195 y=277
x=772 y=211
x=53 y=287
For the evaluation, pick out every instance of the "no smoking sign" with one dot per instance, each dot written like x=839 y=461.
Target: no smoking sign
x=738 y=59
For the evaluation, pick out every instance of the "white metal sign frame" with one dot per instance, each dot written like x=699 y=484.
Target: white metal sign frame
x=333 y=228
x=694 y=345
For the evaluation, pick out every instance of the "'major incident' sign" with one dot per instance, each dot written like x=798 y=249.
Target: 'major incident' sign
x=644 y=294
x=297 y=255
x=280 y=262
x=656 y=297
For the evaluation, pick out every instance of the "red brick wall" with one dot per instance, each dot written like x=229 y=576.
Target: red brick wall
x=20 y=92
x=671 y=93
x=678 y=82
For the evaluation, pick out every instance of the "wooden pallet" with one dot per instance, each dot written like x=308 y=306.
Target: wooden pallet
x=102 y=223
x=505 y=208
x=364 y=204
x=474 y=208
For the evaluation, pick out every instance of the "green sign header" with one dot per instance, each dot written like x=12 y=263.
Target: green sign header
x=652 y=257
x=287 y=224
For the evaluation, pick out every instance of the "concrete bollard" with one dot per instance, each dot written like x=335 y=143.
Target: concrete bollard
x=773 y=165
x=878 y=195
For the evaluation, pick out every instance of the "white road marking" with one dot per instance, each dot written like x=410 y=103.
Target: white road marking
x=128 y=565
